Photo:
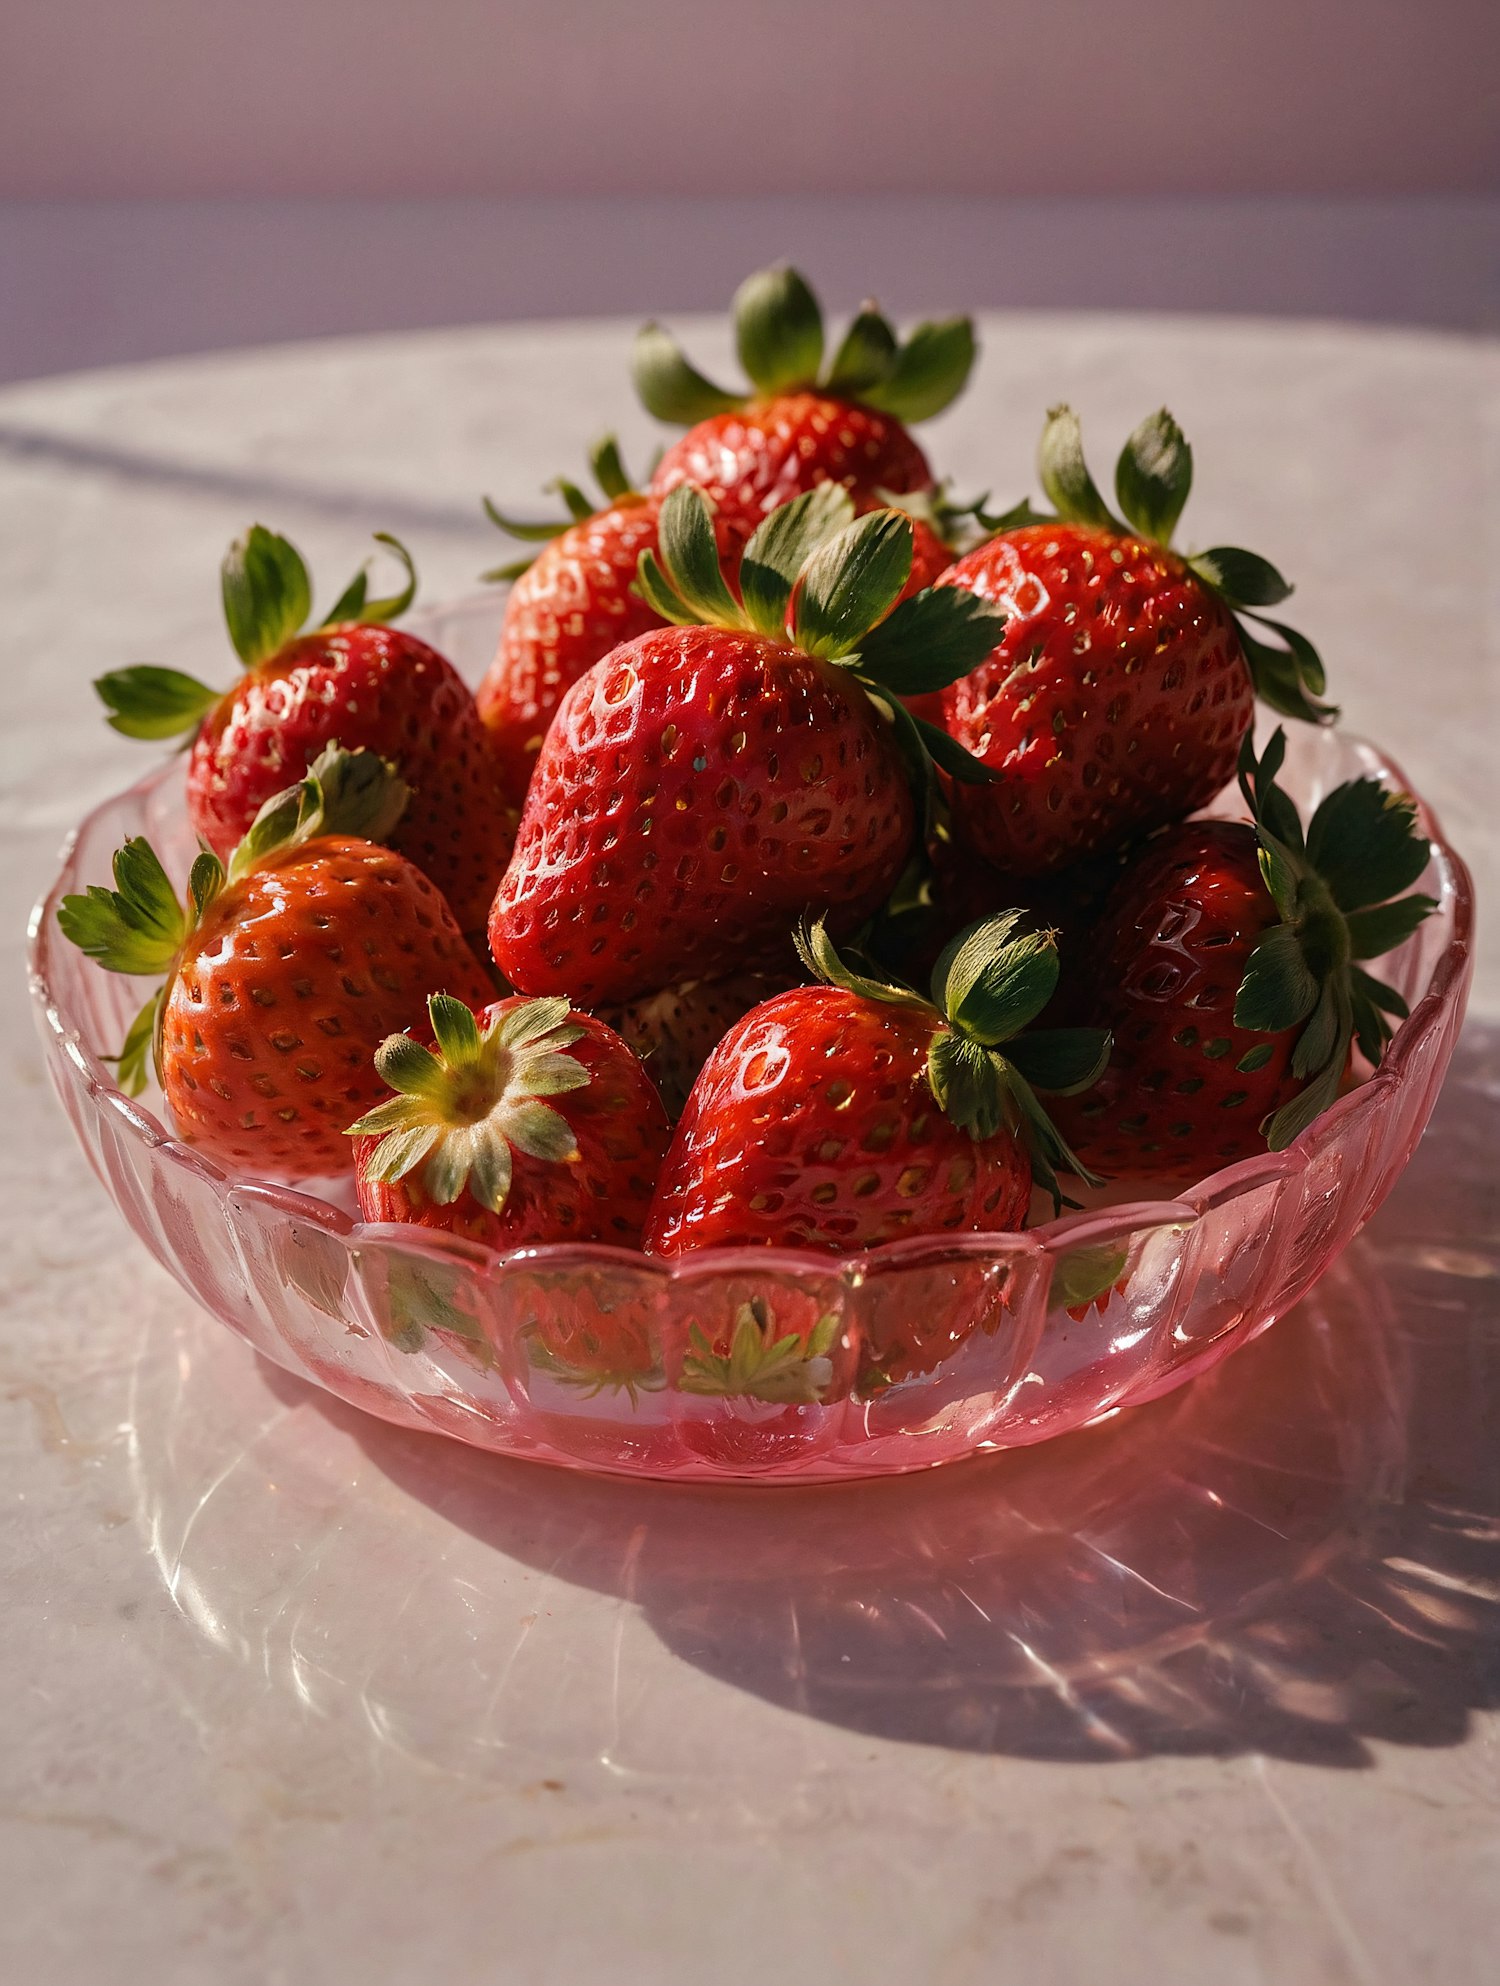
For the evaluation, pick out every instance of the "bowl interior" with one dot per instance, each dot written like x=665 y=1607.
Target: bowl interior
x=918 y=1352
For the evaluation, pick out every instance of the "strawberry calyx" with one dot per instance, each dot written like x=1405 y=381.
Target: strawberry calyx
x=267 y=595
x=1153 y=478
x=464 y=1107
x=786 y=1369
x=1338 y=891
x=960 y=526
x=827 y=582
x=346 y=793
x=422 y=1299
x=141 y=927
x=986 y=1062
x=778 y=326
x=614 y=482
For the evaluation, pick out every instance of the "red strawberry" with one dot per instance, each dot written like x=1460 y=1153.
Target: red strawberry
x=568 y=607
x=528 y=1124
x=284 y=975
x=577 y=599
x=350 y=680
x=1124 y=682
x=595 y=1332
x=852 y=1113
x=1223 y=964
x=675 y=1031
x=756 y=458
x=706 y=785
x=801 y=425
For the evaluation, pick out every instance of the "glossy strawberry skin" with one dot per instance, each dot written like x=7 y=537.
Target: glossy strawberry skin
x=295 y=976
x=676 y=1030
x=698 y=793
x=813 y=1126
x=356 y=685
x=1168 y=955
x=1115 y=702
x=600 y=1195
x=752 y=459
x=564 y=614
x=577 y=602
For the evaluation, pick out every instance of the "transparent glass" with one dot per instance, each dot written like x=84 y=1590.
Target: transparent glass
x=432 y=1332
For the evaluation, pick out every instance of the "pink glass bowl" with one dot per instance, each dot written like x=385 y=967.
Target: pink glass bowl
x=436 y=1333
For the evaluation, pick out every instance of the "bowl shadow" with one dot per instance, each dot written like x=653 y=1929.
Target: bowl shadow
x=1297 y=1555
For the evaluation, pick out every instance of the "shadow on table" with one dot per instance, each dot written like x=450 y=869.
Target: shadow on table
x=255 y=486
x=1300 y=1553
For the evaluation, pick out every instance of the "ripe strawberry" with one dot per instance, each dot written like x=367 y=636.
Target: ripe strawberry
x=349 y=679
x=595 y=1332
x=283 y=974
x=1125 y=679
x=1224 y=966
x=851 y=1113
x=569 y=606
x=577 y=599
x=529 y=1124
x=704 y=786
x=801 y=425
x=675 y=1031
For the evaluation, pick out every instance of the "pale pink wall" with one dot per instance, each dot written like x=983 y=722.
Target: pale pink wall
x=120 y=98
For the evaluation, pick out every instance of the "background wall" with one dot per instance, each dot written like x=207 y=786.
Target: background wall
x=176 y=174
x=427 y=97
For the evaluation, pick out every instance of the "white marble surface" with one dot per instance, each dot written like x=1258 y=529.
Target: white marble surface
x=1205 y=1695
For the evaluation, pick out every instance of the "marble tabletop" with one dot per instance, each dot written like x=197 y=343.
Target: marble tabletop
x=294 y=1698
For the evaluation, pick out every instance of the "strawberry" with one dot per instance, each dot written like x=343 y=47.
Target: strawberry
x=801 y=425
x=705 y=785
x=674 y=1031
x=527 y=1124
x=576 y=600
x=854 y=1112
x=283 y=972
x=595 y=1333
x=1125 y=680
x=350 y=679
x=568 y=607
x=1225 y=966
